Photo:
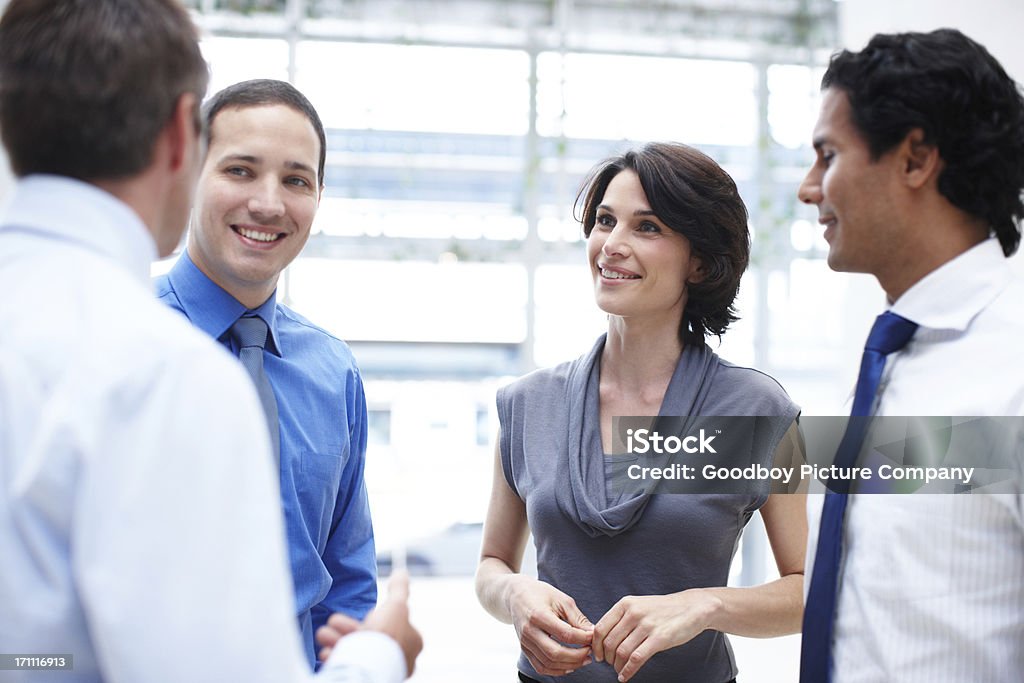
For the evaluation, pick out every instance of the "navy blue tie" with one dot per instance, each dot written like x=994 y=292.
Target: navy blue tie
x=890 y=333
x=250 y=334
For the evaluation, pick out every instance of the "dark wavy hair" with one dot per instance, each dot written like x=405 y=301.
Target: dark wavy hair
x=691 y=194
x=951 y=88
x=262 y=92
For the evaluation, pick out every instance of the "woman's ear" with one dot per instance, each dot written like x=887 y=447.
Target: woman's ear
x=697 y=272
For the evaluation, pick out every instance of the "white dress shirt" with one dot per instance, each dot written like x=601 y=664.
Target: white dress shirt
x=932 y=586
x=140 y=521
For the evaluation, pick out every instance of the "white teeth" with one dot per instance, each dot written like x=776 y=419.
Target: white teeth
x=257 y=235
x=615 y=275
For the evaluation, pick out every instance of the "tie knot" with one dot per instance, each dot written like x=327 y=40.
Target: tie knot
x=890 y=333
x=250 y=331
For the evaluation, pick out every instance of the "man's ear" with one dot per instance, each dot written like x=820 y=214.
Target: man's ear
x=921 y=160
x=181 y=131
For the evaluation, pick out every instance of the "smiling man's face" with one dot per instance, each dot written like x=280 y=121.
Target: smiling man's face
x=256 y=199
x=854 y=193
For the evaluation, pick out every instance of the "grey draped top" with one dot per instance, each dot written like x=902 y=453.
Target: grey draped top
x=597 y=546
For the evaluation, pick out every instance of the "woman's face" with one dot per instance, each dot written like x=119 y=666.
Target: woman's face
x=640 y=266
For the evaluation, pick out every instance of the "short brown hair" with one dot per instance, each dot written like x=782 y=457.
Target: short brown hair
x=691 y=194
x=263 y=92
x=86 y=86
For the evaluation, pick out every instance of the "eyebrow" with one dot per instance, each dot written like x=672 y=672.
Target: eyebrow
x=299 y=166
x=819 y=142
x=250 y=159
x=642 y=212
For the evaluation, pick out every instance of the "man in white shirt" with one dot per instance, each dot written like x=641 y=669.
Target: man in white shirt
x=917 y=180
x=141 y=536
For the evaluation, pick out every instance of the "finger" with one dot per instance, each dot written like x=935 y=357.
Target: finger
x=557 y=666
x=601 y=630
x=552 y=624
x=551 y=652
x=398 y=586
x=572 y=635
x=560 y=656
x=643 y=652
x=325 y=652
x=613 y=640
x=537 y=659
x=626 y=648
x=598 y=644
x=573 y=626
x=412 y=650
x=327 y=637
x=342 y=623
x=573 y=616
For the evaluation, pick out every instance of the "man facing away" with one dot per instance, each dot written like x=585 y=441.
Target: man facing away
x=141 y=535
x=917 y=180
x=257 y=195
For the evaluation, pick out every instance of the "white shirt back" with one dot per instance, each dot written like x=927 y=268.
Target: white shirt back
x=140 y=526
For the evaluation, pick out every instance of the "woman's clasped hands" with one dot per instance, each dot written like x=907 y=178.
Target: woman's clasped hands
x=558 y=638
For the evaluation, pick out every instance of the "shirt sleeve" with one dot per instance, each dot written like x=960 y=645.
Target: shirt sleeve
x=180 y=551
x=350 y=555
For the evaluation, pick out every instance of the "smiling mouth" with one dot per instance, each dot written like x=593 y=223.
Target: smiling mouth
x=615 y=275
x=258 y=235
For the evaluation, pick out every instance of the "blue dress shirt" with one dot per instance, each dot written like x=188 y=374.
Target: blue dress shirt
x=322 y=412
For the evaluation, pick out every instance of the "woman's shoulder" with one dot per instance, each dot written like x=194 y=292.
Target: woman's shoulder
x=752 y=377
x=538 y=382
x=755 y=386
x=551 y=381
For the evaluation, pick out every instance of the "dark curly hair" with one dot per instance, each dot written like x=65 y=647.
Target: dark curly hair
x=952 y=89
x=691 y=194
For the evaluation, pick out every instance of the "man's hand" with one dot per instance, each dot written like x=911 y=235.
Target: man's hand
x=391 y=617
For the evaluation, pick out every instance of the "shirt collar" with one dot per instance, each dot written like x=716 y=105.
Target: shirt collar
x=75 y=211
x=211 y=308
x=950 y=296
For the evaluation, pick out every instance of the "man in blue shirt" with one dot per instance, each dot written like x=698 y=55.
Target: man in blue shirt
x=258 y=193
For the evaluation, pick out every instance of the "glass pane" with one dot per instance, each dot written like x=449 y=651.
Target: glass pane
x=411 y=300
x=793 y=103
x=647 y=98
x=415 y=87
x=240 y=59
x=338 y=216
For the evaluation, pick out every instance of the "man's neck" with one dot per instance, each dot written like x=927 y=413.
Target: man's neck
x=250 y=296
x=935 y=242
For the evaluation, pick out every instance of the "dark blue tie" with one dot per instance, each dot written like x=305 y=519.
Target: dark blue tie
x=250 y=334
x=889 y=333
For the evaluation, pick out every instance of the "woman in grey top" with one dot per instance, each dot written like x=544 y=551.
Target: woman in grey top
x=632 y=585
